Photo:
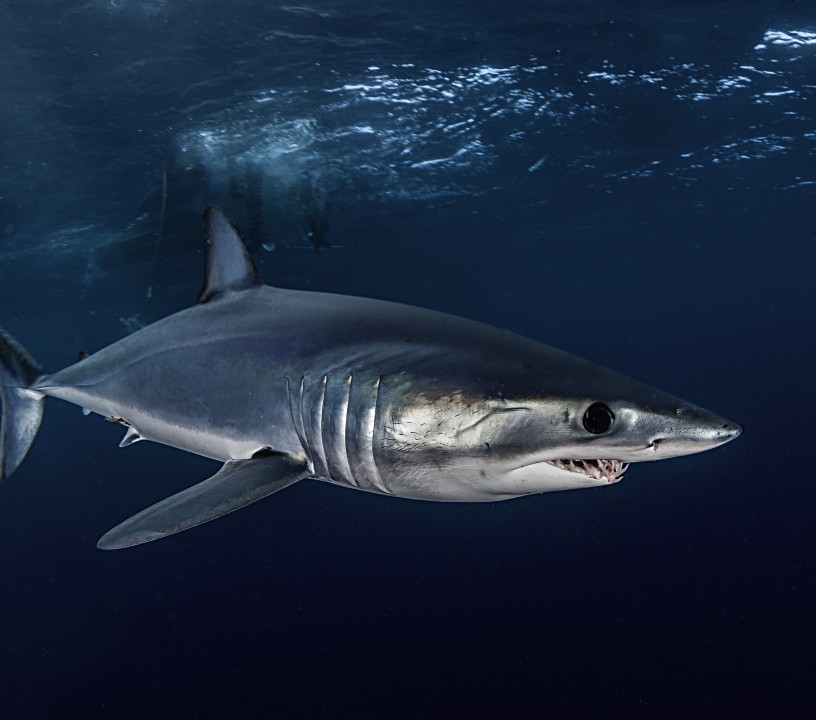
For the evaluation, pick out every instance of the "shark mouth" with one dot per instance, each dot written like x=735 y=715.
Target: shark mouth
x=609 y=470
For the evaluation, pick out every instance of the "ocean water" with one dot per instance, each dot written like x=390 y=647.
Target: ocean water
x=633 y=182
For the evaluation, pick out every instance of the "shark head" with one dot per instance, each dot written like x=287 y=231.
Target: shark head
x=541 y=421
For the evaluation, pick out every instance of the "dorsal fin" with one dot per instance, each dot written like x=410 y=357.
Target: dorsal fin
x=229 y=265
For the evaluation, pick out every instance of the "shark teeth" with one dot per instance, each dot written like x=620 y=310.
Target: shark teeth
x=609 y=470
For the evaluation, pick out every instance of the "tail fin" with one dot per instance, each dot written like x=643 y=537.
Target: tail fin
x=22 y=407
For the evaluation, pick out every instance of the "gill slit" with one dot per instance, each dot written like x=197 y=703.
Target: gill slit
x=320 y=449
x=373 y=423
x=296 y=412
x=352 y=474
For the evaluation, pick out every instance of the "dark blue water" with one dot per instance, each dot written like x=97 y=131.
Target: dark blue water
x=630 y=181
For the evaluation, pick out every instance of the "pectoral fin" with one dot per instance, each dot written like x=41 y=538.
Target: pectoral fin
x=237 y=483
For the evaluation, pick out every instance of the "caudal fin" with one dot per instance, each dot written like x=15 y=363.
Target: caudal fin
x=22 y=407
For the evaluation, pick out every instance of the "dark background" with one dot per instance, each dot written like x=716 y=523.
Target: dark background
x=630 y=181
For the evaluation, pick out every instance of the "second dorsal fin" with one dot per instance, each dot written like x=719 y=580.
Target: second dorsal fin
x=229 y=266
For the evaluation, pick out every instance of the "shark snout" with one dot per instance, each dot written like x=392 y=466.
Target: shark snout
x=729 y=431
x=706 y=425
x=693 y=430
x=684 y=429
x=715 y=435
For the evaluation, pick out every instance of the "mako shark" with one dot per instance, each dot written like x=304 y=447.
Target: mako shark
x=283 y=385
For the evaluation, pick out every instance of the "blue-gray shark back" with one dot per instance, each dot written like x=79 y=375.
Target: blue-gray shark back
x=282 y=385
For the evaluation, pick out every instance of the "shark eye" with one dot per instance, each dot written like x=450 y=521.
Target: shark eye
x=598 y=418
